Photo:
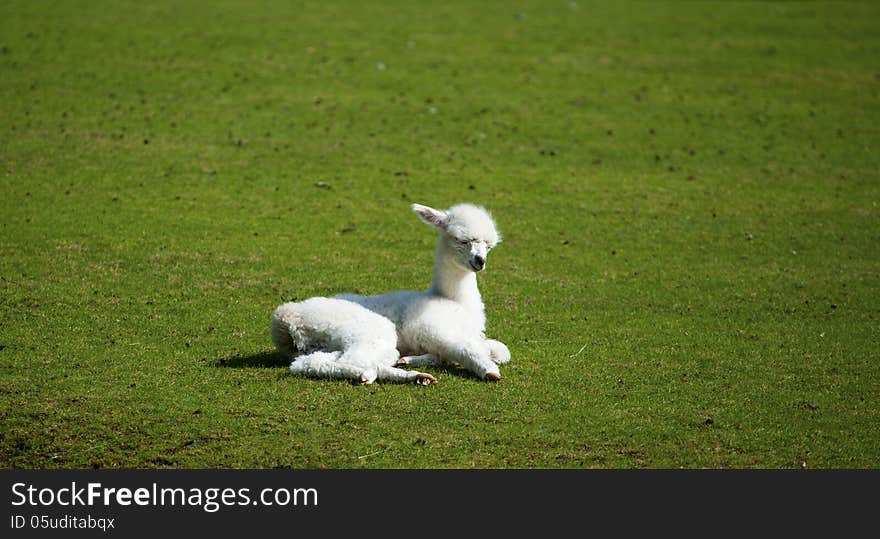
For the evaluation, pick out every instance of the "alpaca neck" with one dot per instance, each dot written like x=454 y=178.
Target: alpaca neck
x=457 y=284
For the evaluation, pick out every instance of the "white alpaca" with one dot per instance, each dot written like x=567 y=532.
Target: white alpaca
x=446 y=323
x=334 y=338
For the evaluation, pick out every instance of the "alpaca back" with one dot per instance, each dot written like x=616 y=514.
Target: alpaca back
x=392 y=306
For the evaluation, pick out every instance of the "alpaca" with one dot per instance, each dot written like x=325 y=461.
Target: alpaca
x=334 y=338
x=446 y=323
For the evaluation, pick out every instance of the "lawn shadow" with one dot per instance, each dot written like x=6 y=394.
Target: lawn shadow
x=261 y=360
x=450 y=370
x=266 y=360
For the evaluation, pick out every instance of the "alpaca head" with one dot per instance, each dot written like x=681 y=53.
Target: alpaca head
x=467 y=233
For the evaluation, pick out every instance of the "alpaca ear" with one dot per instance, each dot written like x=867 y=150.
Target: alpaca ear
x=435 y=218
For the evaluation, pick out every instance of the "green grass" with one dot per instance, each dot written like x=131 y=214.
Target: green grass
x=688 y=193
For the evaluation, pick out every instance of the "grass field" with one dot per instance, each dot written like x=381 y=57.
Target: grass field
x=688 y=193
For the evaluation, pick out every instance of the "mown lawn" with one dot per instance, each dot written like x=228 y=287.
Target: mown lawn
x=688 y=193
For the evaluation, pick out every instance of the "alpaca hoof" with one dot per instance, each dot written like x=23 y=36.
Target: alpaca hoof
x=402 y=362
x=425 y=379
x=369 y=376
x=492 y=377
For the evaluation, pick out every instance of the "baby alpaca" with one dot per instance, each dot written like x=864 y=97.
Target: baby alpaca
x=446 y=323
x=334 y=338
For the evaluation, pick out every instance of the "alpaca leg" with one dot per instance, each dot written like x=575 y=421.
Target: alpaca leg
x=424 y=360
x=475 y=358
x=393 y=374
x=470 y=354
x=328 y=365
x=498 y=351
